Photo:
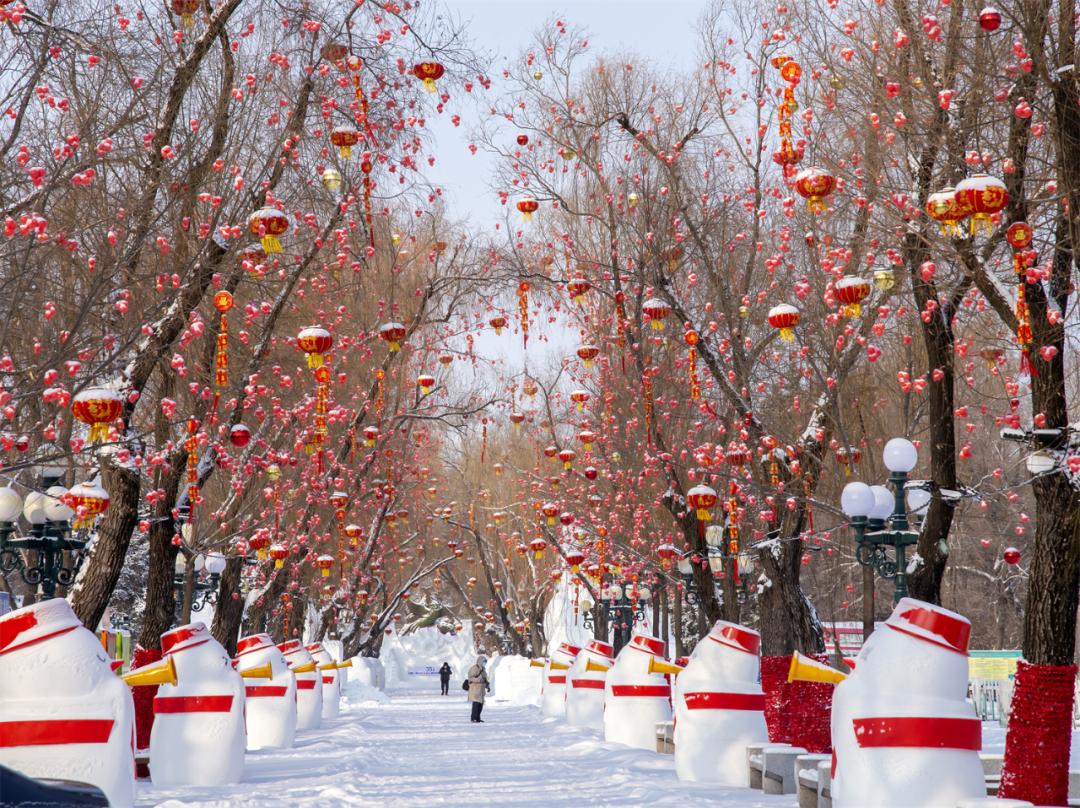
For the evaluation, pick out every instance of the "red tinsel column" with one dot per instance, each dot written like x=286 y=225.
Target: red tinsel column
x=144 y=702
x=797 y=713
x=1036 y=765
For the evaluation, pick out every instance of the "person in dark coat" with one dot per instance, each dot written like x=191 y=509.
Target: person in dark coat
x=478 y=686
x=444 y=677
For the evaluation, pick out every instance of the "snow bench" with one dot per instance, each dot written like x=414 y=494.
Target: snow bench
x=665 y=737
x=812 y=776
x=772 y=767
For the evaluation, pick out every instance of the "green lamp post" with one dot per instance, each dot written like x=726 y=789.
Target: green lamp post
x=879 y=517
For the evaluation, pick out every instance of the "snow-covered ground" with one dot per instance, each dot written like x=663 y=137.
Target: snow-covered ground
x=419 y=749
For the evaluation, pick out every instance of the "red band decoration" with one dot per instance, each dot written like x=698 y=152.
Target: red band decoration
x=305 y=684
x=264 y=691
x=52 y=733
x=738 y=638
x=725 y=701
x=557 y=679
x=1036 y=765
x=647 y=691
x=595 y=684
x=954 y=633
x=171 y=639
x=11 y=629
x=328 y=680
x=164 y=705
x=919 y=731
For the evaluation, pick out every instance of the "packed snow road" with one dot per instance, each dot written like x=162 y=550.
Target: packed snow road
x=421 y=750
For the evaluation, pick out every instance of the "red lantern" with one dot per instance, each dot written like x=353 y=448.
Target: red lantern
x=251 y=259
x=97 y=407
x=784 y=317
x=667 y=554
x=851 y=290
x=498 y=322
x=88 y=500
x=587 y=437
x=813 y=185
x=239 y=435
x=392 y=334
x=429 y=73
x=574 y=557
x=655 y=310
x=989 y=19
x=578 y=287
x=325 y=562
x=702 y=499
x=551 y=451
x=425 y=382
x=354 y=533
x=982 y=196
x=268 y=224
x=314 y=341
x=184 y=9
x=538 y=546
x=737 y=455
x=259 y=543
x=591 y=473
x=580 y=398
x=345 y=137
x=944 y=207
x=567 y=456
x=550 y=511
x=516 y=418
x=279 y=552
x=371 y=434
x=527 y=207
x=587 y=353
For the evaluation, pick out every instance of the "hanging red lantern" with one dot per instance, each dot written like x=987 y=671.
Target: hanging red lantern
x=425 y=382
x=578 y=287
x=428 y=73
x=314 y=341
x=667 y=554
x=851 y=290
x=325 y=563
x=587 y=353
x=354 y=533
x=392 y=334
x=97 y=407
x=527 y=207
x=814 y=185
x=784 y=317
x=587 y=437
x=574 y=557
x=259 y=542
x=185 y=10
x=737 y=455
x=655 y=311
x=516 y=418
x=702 y=499
x=268 y=224
x=538 y=546
x=580 y=398
x=567 y=457
x=239 y=435
x=279 y=552
x=371 y=434
x=88 y=500
x=943 y=207
x=983 y=197
x=989 y=19
x=344 y=137
x=498 y=322
x=250 y=259
x=550 y=511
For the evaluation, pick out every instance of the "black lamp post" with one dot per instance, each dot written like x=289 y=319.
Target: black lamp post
x=879 y=517
x=49 y=537
x=621 y=610
x=206 y=582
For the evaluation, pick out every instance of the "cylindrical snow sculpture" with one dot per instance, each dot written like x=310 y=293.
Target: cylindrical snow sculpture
x=198 y=737
x=719 y=707
x=330 y=677
x=64 y=714
x=636 y=700
x=903 y=735
x=271 y=701
x=553 y=698
x=585 y=685
x=309 y=691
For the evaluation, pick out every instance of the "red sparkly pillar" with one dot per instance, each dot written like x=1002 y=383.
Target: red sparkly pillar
x=798 y=713
x=1036 y=765
x=144 y=701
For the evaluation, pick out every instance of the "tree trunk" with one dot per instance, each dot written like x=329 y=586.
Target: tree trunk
x=103 y=567
x=160 y=610
x=676 y=615
x=230 y=606
x=189 y=591
x=787 y=621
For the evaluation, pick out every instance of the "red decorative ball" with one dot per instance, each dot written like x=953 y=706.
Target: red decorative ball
x=1011 y=555
x=989 y=19
x=523 y=140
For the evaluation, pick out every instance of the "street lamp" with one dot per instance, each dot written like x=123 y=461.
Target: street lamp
x=49 y=537
x=621 y=609
x=879 y=516
x=204 y=588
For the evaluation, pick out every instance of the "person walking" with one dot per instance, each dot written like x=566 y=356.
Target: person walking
x=478 y=686
x=444 y=678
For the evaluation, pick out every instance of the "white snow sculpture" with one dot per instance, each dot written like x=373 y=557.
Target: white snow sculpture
x=309 y=691
x=636 y=697
x=585 y=685
x=271 y=700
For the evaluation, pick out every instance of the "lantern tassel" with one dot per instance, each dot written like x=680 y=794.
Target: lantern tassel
x=345 y=152
x=270 y=244
x=314 y=360
x=787 y=334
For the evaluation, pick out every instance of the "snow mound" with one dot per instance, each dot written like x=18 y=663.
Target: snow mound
x=515 y=681
x=412 y=660
x=367 y=671
x=358 y=694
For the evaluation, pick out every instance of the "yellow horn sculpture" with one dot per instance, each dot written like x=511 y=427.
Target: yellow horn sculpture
x=596 y=666
x=536 y=663
x=805 y=669
x=159 y=673
x=346 y=664
x=261 y=672
x=558 y=666
x=659 y=666
x=308 y=667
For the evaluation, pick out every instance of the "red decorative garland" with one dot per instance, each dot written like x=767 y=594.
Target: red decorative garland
x=1036 y=765
x=797 y=713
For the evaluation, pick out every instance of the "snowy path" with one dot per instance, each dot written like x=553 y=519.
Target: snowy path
x=421 y=750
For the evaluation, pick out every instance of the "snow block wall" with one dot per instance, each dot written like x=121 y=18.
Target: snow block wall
x=514 y=680
x=412 y=661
